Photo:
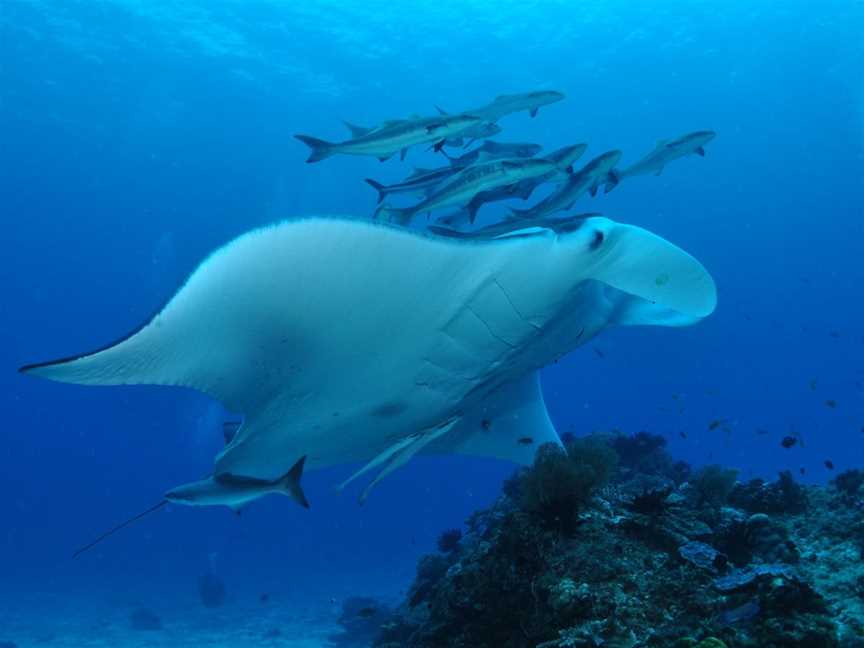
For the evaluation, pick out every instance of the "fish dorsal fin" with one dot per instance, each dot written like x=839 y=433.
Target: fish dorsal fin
x=440 y=110
x=501 y=424
x=357 y=131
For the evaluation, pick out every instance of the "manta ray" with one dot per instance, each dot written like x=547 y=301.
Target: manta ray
x=342 y=340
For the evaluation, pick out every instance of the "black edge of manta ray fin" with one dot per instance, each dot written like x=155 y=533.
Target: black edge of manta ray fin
x=291 y=483
x=72 y=358
x=700 y=151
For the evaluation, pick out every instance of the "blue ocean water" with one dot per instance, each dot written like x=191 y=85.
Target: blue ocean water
x=138 y=136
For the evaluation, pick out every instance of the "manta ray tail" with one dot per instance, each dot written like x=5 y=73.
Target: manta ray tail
x=320 y=148
x=122 y=525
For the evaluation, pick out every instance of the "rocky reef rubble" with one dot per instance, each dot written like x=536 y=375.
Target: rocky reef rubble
x=611 y=543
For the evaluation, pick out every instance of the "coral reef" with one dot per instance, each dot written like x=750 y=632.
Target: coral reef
x=449 y=540
x=849 y=482
x=714 y=484
x=361 y=620
x=577 y=553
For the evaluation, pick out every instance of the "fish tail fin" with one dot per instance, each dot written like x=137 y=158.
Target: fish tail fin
x=448 y=156
x=394 y=214
x=473 y=207
x=290 y=483
x=612 y=180
x=320 y=148
x=380 y=188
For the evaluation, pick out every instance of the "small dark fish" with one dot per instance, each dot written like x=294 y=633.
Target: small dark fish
x=683 y=435
x=264 y=597
x=829 y=464
x=526 y=441
x=762 y=432
x=713 y=425
x=486 y=424
x=789 y=441
x=831 y=403
x=366 y=612
x=599 y=353
x=742 y=613
x=802 y=470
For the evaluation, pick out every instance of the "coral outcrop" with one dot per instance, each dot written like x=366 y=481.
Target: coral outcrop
x=613 y=544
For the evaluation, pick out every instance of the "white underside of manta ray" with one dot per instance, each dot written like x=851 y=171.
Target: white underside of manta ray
x=342 y=340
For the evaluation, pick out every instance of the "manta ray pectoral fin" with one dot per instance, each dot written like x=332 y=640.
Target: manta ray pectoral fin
x=398 y=454
x=510 y=423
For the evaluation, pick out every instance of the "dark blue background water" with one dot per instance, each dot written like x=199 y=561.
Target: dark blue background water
x=137 y=137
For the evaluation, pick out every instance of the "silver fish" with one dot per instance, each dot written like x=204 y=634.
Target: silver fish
x=517 y=226
x=665 y=152
x=468 y=183
x=422 y=180
x=563 y=158
x=392 y=137
x=507 y=104
x=490 y=150
x=586 y=179
x=235 y=491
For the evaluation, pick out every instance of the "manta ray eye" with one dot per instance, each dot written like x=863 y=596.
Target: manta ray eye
x=597 y=241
